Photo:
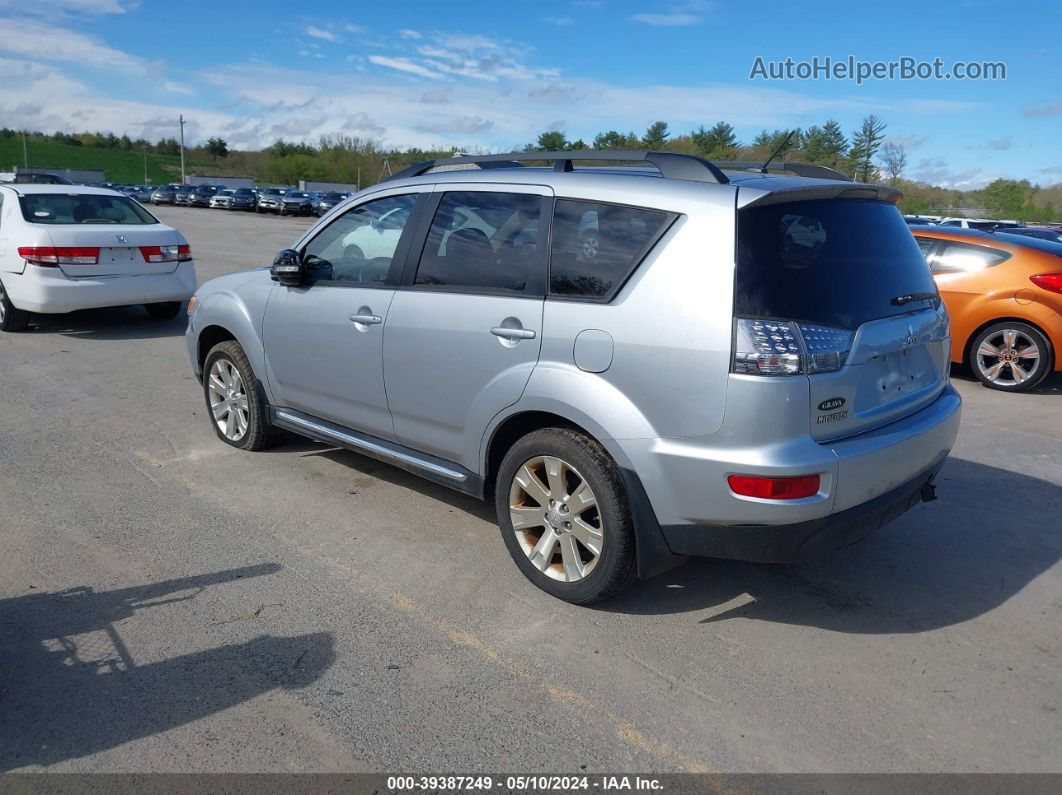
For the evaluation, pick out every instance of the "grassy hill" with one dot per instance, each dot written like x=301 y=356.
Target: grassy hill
x=119 y=165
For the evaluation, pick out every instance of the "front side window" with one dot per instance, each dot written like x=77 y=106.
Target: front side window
x=83 y=208
x=596 y=247
x=484 y=241
x=954 y=257
x=359 y=245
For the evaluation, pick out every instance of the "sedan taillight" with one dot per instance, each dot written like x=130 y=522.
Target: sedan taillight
x=51 y=256
x=180 y=253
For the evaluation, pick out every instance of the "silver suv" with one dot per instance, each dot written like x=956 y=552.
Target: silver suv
x=636 y=364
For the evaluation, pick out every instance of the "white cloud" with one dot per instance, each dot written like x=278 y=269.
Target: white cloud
x=177 y=88
x=350 y=27
x=463 y=124
x=404 y=65
x=1050 y=109
x=39 y=41
x=677 y=19
x=320 y=33
x=1001 y=144
x=60 y=7
x=560 y=22
x=407 y=33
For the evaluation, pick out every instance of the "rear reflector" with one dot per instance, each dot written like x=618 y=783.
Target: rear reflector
x=1049 y=281
x=774 y=488
x=51 y=256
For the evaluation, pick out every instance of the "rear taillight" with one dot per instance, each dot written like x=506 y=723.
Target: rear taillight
x=774 y=488
x=166 y=253
x=785 y=347
x=1049 y=281
x=50 y=256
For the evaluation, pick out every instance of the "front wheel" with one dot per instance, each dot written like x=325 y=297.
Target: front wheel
x=235 y=403
x=1011 y=356
x=167 y=310
x=565 y=516
x=11 y=319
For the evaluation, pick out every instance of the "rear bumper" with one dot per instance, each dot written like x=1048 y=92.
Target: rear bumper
x=804 y=540
x=866 y=481
x=47 y=291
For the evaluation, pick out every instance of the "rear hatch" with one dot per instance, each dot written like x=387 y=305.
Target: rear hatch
x=100 y=234
x=843 y=284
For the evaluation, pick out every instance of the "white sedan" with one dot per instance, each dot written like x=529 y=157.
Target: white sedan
x=67 y=247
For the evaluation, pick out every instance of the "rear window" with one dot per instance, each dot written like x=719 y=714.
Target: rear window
x=83 y=208
x=835 y=262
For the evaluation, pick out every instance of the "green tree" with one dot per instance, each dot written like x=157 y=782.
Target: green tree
x=656 y=135
x=718 y=143
x=551 y=141
x=1009 y=198
x=616 y=140
x=865 y=144
x=217 y=147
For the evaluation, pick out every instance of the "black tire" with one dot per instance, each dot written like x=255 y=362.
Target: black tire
x=167 y=310
x=259 y=435
x=1006 y=380
x=615 y=566
x=11 y=319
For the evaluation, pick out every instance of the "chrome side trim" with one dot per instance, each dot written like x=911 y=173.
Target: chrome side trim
x=376 y=448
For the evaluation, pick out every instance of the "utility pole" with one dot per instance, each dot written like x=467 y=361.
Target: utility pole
x=182 y=148
x=25 y=152
x=145 y=165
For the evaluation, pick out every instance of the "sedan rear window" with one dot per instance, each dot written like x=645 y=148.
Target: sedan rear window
x=83 y=208
x=835 y=262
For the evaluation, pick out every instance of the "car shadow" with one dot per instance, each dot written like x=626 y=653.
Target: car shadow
x=1052 y=385
x=940 y=564
x=112 y=323
x=406 y=480
x=70 y=687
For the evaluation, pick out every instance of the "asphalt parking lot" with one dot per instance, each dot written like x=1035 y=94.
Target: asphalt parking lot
x=168 y=603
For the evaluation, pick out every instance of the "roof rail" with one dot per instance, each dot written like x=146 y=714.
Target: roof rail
x=800 y=169
x=672 y=165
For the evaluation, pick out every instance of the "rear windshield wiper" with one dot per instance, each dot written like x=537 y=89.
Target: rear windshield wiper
x=900 y=300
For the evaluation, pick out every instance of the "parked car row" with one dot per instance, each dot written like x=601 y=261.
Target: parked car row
x=281 y=201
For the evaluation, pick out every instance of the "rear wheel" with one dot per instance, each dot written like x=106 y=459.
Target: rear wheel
x=234 y=399
x=565 y=516
x=1011 y=356
x=11 y=319
x=167 y=310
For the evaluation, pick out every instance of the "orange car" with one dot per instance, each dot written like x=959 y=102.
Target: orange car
x=1004 y=294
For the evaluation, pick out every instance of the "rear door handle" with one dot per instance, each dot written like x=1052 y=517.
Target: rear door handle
x=513 y=333
x=368 y=320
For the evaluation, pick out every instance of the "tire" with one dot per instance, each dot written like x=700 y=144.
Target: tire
x=167 y=310
x=576 y=462
x=257 y=434
x=11 y=319
x=1011 y=356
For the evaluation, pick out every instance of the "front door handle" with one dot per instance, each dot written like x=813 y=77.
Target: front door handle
x=366 y=320
x=513 y=333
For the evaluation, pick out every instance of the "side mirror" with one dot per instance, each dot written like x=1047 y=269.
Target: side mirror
x=287 y=268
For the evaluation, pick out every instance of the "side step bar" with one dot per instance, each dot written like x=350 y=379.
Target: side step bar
x=434 y=469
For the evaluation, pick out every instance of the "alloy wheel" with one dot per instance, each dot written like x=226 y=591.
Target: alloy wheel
x=3 y=307
x=1008 y=358
x=556 y=519
x=228 y=399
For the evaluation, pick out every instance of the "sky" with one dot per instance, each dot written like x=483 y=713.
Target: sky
x=493 y=75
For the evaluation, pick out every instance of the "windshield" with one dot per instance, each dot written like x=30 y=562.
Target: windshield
x=73 y=208
x=835 y=262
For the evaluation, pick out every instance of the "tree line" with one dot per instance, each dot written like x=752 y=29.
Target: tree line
x=862 y=153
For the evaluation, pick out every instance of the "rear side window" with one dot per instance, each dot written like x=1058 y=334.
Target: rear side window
x=954 y=257
x=485 y=241
x=83 y=208
x=835 y=262
x=596 y=246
